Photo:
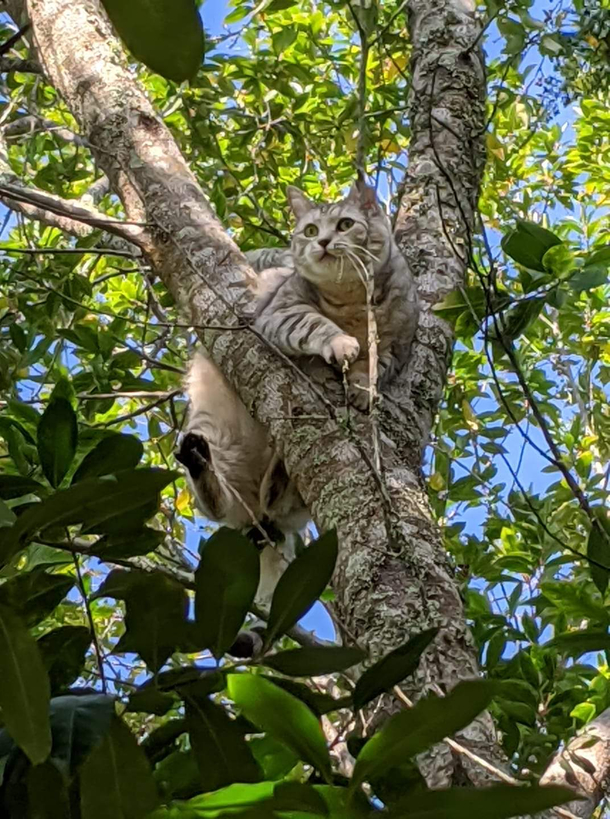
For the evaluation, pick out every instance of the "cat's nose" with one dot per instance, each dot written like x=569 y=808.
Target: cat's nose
x=324 y=242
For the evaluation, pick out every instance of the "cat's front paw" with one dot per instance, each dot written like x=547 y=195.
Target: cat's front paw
x=194 y=453
x=341 y=348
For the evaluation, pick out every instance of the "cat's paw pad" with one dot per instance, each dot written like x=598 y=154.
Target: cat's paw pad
x=193 y=453
x=358 y=392
x=341 y=348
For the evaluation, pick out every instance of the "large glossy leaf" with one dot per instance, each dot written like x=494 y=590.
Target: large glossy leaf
x=317 y=701
x=24 y=688
x=157 y=606
x=298 y=796
x=225 y=584
x=528 y=243
x=598 y=550
x=79 y=723
x=166 y=35
x=57 y=439
x=63 y=652
x=94 y=502
x=34 y=595
x=132 y=544
x=226 y=801
x=283 y=716
x=496 y=802
x=116 y=780
x=392 y=669
x=275 y=759
x=581 y=641
x=222 y=753
x=302 y=584
x=47 y=792
x=111 y=455
x=409 y=733
x=311 y=662
x=16 y=486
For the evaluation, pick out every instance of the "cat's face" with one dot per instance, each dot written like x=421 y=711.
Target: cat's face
x=331 y=242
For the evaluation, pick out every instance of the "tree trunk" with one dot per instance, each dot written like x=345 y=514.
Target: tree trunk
x=393 y=577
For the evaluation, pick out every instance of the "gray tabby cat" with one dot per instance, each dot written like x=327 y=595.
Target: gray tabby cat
x=232 y=470
x=314 y=305
x=318 y=306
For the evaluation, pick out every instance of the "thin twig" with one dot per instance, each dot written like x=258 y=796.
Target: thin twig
x=96 y=645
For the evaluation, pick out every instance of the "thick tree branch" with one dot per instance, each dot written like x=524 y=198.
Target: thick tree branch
x=436 y=218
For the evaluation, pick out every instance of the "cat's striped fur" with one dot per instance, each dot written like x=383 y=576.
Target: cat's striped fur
x=317 y=306
x=312 y=304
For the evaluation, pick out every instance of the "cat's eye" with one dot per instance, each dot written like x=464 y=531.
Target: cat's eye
x=311 y=230
x=344 y=224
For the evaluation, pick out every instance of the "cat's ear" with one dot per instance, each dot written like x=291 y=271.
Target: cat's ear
x=363 y=195
x=298 y=202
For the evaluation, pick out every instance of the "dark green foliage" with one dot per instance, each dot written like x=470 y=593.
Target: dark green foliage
x=226 y=581
x=278 y=712
x=166 y=35
x=301 y=584
x=111 y=455
x=57 y=439
x=24 y=688
x=116 y=779
x=311 y=662
x=63 y=653
x=392 y=669
x=222 y=753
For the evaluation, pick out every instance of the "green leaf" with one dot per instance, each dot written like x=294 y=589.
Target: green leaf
x=589 y=277
x=24 y=688
x=275 y=759
x=133 y=544
x=111 y=455
x=409 y=733
x=495 y=802
x=156 y=609
x=225 y=584
x=311 y=662
x=98 y=502
x=16 y=486
x=392 y=669
x=222 y=753
x=559 y=260
x=301 y=584
x=318 y=702
x=63 y=652
x=47 y=792
x=57 y=439
x=528 y=243
x=517 y=318
x=581 y=641
x=79 y=723
x=150 y=700
x=299 y=796
x=598 y=549
x=34 y=595
x=166 y=35
x=228 y=801
x=116 y=780
x=283 y=716
x=7 y=516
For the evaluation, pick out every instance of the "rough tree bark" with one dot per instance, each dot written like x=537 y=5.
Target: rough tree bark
x=393 y=577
